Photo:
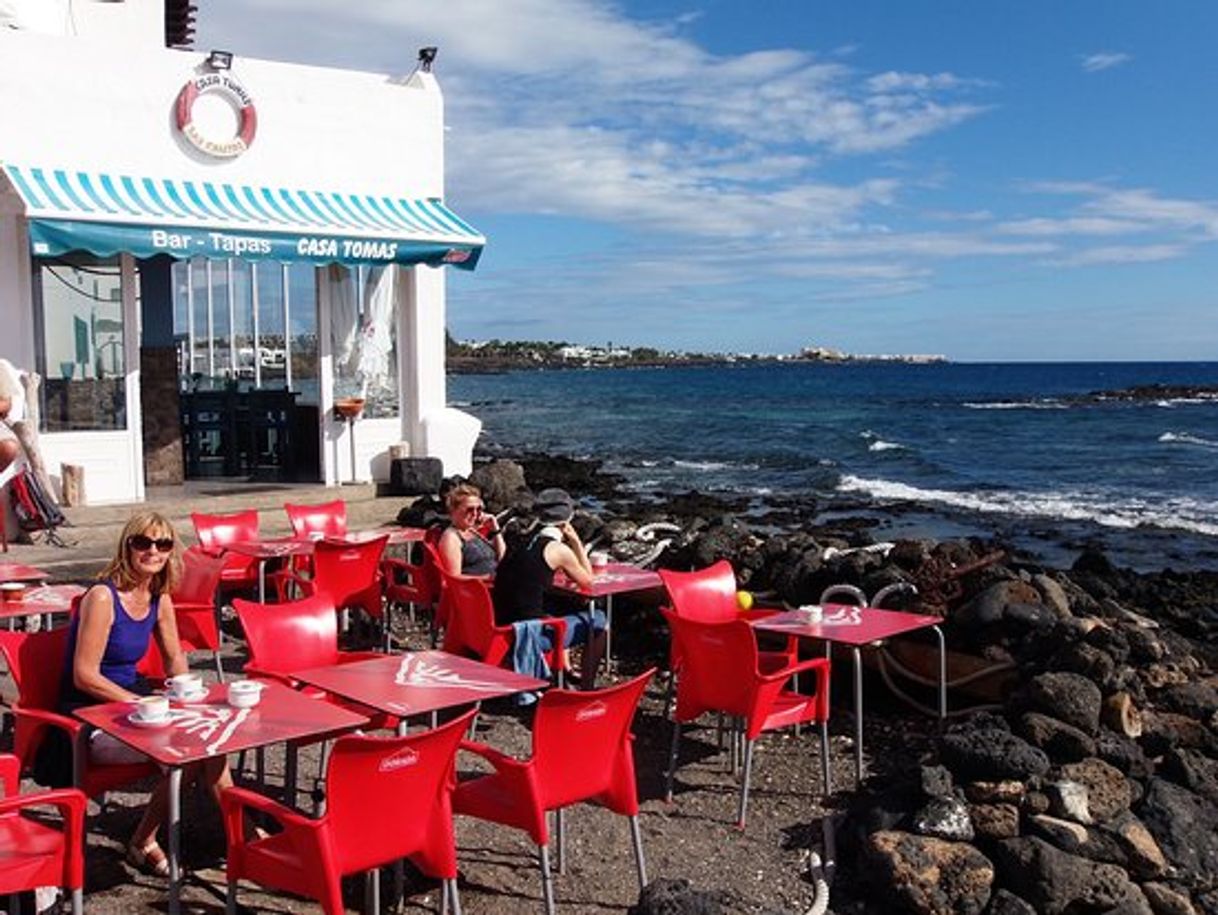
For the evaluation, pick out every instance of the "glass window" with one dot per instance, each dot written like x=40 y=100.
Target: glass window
x=80 y=343
x=364 y=337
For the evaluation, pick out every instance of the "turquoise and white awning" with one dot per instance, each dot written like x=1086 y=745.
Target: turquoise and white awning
x=105 y=214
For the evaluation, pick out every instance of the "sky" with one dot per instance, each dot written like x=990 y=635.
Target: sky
x=1027 y=180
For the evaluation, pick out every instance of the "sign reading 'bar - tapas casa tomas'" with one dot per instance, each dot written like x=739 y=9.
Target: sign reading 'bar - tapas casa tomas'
x=49 y=238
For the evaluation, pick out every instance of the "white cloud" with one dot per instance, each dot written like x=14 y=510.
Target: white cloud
x=1120 y=254
x=1104 y=60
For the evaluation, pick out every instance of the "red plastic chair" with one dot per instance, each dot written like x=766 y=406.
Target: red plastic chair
x=33 y=854
x=416 y=584
x=470 y=630
x=347 y=573
x=387 y=798
x=582 y=751
x=328 y=519
x=721 y=672
x=215 y=532
x=36 y=663
x=194 y=604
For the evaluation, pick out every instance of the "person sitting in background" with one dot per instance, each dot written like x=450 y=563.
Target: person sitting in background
x=12 y=410
x=472 y=543
x=527 y=571
x=109 y=635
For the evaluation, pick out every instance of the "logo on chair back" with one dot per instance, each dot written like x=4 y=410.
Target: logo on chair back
x=403 y=759
x=592 y=711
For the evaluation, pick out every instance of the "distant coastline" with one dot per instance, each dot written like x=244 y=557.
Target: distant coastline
x=501 y=356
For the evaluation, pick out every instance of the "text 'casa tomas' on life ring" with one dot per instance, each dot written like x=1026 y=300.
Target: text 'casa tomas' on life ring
x=207 y=126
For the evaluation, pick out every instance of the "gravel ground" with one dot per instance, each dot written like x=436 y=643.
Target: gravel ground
x=762 y=869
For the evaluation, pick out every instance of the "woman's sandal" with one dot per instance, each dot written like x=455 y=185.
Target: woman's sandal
x=150 y=859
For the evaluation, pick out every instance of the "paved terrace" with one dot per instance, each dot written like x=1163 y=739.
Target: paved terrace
x=93 y=530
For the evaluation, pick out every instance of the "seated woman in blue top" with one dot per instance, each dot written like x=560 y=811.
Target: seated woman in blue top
x=109 y=636
x=527 y=571
x=471 y=544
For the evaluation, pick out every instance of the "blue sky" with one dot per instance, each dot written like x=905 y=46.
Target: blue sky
x=987 y=180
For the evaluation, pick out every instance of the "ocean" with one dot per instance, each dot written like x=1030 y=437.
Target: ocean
x=957 y=448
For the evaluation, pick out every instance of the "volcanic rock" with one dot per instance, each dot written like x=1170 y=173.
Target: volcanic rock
x=1064 y=834
x=1142 y=855
x=990 y=605
x=1010 y=791
x=1069 y=800
x=1062 y=742
x=501 y=482
x=1196 y=772
x=1005 y=902
x=930 y=876
x=1197 y=700
x=1166 y=901
x=945 y=818
x=1053 y=595
x=1107 y=790
x=994 y=821
x=936 y=781
x=1185 y=826
x=1056 y=882
x=1164 y=731
x=1068 y=697
x=674 y=897
x=1124 y=754
x=988 y=754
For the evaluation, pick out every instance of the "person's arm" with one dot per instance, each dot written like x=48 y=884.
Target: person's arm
x=167 y=638
x=450 y=551
x=96 y=620
x=494 y=536
x=570 y=556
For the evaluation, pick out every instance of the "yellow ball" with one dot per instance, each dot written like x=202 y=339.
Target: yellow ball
x=744 y=600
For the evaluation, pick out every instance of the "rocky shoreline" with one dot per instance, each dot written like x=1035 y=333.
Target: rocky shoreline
x=1089 y=782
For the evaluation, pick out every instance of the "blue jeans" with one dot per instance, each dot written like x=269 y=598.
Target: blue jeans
x=580 y=626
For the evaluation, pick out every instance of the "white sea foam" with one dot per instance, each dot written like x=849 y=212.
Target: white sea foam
x=881 y=445
x=1183 y=438
x=1180 y=514
x=713 y=465
x=1016 y=405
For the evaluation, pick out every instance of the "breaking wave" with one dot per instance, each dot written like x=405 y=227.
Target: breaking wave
x=1183 y=438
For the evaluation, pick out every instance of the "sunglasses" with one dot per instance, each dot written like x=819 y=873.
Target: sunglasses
x=141 y=543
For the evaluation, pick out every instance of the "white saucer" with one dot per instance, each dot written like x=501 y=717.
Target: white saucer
x=189 y=697
x=141 y=722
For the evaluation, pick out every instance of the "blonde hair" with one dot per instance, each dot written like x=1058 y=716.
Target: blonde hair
x=120 y=570
x=459 y=493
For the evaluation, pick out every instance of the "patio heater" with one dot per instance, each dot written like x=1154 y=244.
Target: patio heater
x=349 y=409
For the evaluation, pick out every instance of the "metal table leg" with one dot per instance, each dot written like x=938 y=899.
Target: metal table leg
x=942 y=676
x=858 y=713
x=289 y=774
x=175 y=840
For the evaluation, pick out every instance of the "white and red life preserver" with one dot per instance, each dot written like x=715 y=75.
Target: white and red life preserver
x=230 y=89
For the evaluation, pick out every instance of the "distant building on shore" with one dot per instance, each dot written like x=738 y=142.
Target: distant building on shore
x=828 y=354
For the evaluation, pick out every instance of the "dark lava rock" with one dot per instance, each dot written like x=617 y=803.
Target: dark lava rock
x=936 y=781
x=1138 y=851
x=990 y=605
x=945 y=818
x=1088 y=661
x=994 y=821
x=675 y=897
x=1164 y=731
x=1185 y=826
x=1031 y=616
x=1056 y=882
x=1005 y=902
x=1107 y=790
x=1061 y=741
x=930 y=876
x=1068 y=697
x=501 y=483
x=1197 y=700
x=1167 y=901
x=988 y=754
x=1123 y=753
x=1196 y=772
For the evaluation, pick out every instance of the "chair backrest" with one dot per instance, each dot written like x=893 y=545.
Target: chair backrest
x=582 y=745
x=709 y=652
x=843 y=594
x=291 y=636
x=469 y=617
x=216 y=531
x=344 y=571
x=327 y=518
x=708 y=594
x=390 y=797
x=35 y=661
x=200 y=578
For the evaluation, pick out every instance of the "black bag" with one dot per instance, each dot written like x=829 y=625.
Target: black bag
x=53 y=761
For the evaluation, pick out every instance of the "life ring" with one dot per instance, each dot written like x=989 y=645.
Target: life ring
x=229 y=88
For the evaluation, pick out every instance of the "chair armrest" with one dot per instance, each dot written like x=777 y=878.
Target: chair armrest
x=51 y=719
x=282 y=578
x=10 y=774
x=235 y=801
x=70 y=802
x=255 y=672
x=821 y=664
x=350 y=657
x=559 y=625
x=499 y=760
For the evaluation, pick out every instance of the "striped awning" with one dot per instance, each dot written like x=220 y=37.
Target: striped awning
x=105 y=214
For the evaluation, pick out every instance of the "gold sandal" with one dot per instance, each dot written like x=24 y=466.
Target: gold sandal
x=150 y=859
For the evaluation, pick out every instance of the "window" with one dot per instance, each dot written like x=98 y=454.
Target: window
x=80 y=339
x=364 y=337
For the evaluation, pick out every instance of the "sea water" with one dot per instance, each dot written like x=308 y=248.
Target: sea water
x=1017 y=448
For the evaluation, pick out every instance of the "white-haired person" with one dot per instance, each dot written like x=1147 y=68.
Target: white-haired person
x=12 y=410
x=526 y=573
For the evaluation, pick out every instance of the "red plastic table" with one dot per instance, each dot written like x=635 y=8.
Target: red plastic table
x=417 y=682
x=859 y=627
x=19 y=571
x=42 y=600
x=210 y=727
x=614 y=578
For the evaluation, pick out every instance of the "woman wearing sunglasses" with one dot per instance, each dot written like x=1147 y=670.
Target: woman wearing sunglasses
x=109 y=635
x=472 y=544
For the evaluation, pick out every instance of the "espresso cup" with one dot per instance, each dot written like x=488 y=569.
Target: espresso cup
x=812 y=613
x=152 y=708
x=599 y=559
x=12 y=592
x=184 y=685
x=244 y=693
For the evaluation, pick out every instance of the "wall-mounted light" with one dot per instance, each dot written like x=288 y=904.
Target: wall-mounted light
x=220 y=60
x=426 y=57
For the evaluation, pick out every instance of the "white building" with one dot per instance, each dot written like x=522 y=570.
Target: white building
x=167 y=214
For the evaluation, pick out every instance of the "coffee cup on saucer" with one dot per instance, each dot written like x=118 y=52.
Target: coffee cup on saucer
x=244 y=693
x=599 y=559
x=12 y=592
x=184 y=686
x=152 y=708
x=811 y=613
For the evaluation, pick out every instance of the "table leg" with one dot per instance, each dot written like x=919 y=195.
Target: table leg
x=858 y=714
x=608 y=634
x=289 y=774
x=175 y=840
x=942 y=677
x=262 y=581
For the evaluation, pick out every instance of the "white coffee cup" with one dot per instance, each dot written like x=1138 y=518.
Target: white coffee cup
x=152 y=708
x=599 y=559
x=244 y=693
x=812 y=613
x=184 y=685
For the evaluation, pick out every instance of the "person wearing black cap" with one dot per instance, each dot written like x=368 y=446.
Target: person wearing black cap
x=527 y=571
